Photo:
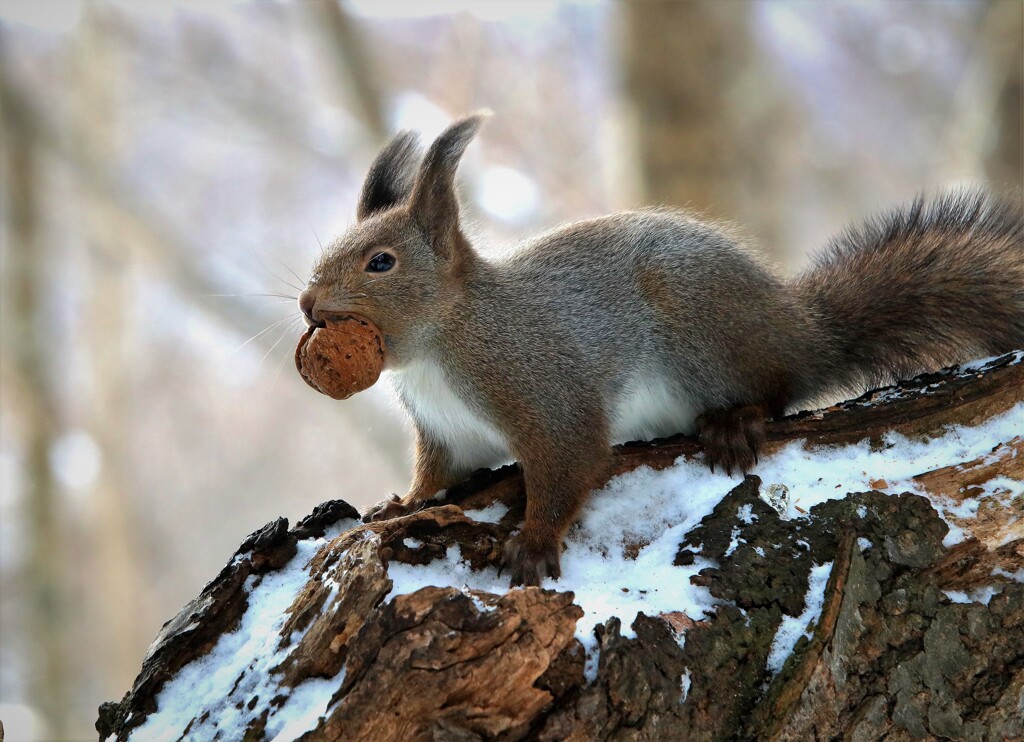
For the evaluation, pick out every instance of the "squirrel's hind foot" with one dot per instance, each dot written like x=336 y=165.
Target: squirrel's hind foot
x=732 y=437
x=530 y=561
x=386 y=509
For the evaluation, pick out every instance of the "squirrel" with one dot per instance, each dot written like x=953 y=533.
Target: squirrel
x=641 y=324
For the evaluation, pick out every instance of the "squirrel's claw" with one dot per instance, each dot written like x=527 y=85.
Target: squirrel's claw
x=530 y=561
x=386 y=509
x=732 y=437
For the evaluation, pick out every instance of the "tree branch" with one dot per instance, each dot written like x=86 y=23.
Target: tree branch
x=363 y=654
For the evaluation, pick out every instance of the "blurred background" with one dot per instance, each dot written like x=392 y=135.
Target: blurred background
x=170 y=168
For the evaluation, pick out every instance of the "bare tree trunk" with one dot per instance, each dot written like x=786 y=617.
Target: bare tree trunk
x=984 y=127
x=28 y=347
x=702 y=111
x=112 y=527
x=1005 y=162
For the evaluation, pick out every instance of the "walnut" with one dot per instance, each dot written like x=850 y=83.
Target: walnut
x=342 y=358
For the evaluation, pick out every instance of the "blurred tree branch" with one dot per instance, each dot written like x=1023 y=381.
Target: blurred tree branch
x=146 y=230
x=249 y=96
x=113 y=521
x=1005 y=162
x=984 y=125
x=350 y=64
x=138 y=223
x=33 y=366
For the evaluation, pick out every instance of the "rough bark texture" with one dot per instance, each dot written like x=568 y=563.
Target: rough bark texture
x=890 y=657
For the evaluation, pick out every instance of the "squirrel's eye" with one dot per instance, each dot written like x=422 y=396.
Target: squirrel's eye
x=381 y=262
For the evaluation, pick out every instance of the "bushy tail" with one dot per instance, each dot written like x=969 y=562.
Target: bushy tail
x=917 y=289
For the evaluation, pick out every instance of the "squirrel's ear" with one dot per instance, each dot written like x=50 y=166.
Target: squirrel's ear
x=434 y=203
x=390 y=178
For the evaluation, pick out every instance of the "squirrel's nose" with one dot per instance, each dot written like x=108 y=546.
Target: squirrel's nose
x=307 y=300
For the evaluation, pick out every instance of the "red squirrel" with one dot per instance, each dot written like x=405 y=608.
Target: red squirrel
x=642 y=324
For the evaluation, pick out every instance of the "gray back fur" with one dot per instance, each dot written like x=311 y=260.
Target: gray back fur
x=631 y=325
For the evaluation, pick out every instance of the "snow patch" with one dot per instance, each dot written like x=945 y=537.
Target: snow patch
x=979 y=595
x=955 y=535
x=605 y=584
x=490 y=514
x=830 y=472
x=791 y=629
x=777 y=497
x=655 y=510
x=734 y=541
x=1017 y=576
x=980 y=363
x=684 y=685
x=306 y=704
x=238 y=670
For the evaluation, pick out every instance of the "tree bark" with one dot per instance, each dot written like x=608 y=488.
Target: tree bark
x=891 y=655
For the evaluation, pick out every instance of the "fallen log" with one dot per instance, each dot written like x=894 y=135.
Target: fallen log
x=867 y=583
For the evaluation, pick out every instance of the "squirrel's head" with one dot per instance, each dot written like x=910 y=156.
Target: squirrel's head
x=402 y=261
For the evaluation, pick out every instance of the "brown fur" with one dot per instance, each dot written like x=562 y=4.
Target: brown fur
x=917 y=289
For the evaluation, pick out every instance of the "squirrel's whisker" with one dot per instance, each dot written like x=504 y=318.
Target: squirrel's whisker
x=244 y=296
x=280 y=365
x=288 y=268
x=272 y=273
x=284 y=333
x=264 y=331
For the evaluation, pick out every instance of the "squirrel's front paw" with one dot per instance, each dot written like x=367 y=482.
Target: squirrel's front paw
x=529 y=560
x=386 y=509
x=732 y=437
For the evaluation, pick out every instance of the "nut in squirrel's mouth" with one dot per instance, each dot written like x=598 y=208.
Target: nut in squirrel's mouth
x=341 y=355
x=362 y=319
x=336 y=316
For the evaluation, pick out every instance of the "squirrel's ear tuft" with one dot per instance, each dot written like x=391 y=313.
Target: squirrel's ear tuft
x=433 y=202
x=390 y=178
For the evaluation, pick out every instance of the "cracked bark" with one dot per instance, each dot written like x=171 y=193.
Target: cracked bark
x=890 y=657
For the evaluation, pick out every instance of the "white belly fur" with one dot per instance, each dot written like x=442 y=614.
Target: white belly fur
x=647 y=408
x=473 y=442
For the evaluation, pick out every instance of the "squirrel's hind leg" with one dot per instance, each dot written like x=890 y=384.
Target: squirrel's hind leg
x=733 y=436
